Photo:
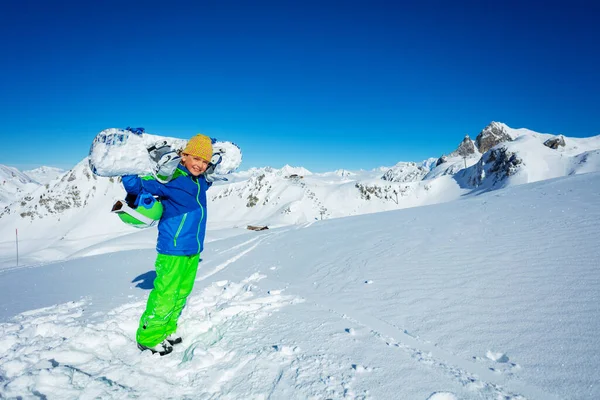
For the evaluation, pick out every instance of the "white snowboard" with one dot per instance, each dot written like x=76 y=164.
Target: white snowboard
x=118 y=152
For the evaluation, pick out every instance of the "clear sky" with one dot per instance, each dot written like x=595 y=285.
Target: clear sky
x=319 y=84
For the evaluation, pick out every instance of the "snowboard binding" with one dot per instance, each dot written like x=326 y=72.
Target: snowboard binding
x=165 y=161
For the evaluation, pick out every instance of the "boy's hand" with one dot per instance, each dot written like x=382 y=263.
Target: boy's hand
x=131 y=183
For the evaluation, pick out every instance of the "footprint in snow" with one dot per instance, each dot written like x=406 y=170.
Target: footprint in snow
x=286 y=350
x=497 y=357
x=361 y=368
x=500 y=358
x=442 y=396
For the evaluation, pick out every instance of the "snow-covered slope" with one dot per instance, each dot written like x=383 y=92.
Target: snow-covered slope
x=13 y=185
x=490 y=297
x=44 y=174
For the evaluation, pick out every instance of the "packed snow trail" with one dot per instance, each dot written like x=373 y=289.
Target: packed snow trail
x=490 y=297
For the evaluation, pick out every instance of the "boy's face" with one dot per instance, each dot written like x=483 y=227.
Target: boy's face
x=196 y=165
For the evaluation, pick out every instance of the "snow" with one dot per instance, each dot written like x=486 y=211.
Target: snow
x=14 y=185
x=44 y=174
x=490 y=296
x=444 y=282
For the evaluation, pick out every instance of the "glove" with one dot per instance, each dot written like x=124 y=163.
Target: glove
x=132 y=183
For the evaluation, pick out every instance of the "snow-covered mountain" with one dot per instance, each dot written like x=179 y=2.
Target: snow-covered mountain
x=500 y=156
x=14 y=184
x=72 y=208
x=44 y=174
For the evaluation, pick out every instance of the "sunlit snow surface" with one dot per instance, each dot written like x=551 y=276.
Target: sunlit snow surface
x=492 y=296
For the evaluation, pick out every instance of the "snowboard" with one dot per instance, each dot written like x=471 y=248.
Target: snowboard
x=132 y=151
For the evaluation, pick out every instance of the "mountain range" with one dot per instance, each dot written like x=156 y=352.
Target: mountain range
x=56 y=212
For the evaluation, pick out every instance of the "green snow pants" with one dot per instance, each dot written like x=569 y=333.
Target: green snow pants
x=174 y=281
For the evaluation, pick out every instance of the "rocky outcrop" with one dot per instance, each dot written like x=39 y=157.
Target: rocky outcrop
x=441 y=160
x=495 y=166
x=492 y=135
x=465 y=148
x=555 y=142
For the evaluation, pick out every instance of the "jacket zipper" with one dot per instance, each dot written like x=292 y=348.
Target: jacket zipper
x=201 y=218
x=179 y=229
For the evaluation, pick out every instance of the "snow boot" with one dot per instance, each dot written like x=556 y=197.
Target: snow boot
x=163 y=348
x=174 y=339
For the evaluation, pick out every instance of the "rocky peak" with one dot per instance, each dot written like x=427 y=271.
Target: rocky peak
x=465 y=148
x=491 y=135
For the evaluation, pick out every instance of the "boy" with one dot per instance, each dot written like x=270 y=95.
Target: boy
x=181 y=232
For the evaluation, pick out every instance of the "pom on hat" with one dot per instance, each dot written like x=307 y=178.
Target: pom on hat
x=199 y=146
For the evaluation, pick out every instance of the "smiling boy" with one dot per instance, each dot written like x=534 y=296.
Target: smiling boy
x=181 y=232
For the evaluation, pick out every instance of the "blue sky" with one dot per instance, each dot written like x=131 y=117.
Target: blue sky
x=324 y=85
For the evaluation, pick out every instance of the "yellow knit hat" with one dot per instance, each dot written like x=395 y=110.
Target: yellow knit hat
x=199 y=146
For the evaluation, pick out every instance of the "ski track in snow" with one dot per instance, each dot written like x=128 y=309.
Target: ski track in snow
x=237 y=246
x=224 y=265
x=239 y=255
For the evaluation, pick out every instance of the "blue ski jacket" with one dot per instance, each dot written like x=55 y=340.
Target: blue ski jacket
x=182 y=227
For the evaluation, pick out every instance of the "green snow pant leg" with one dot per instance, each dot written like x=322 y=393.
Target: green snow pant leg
x=162 y=299
x=188 y=276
